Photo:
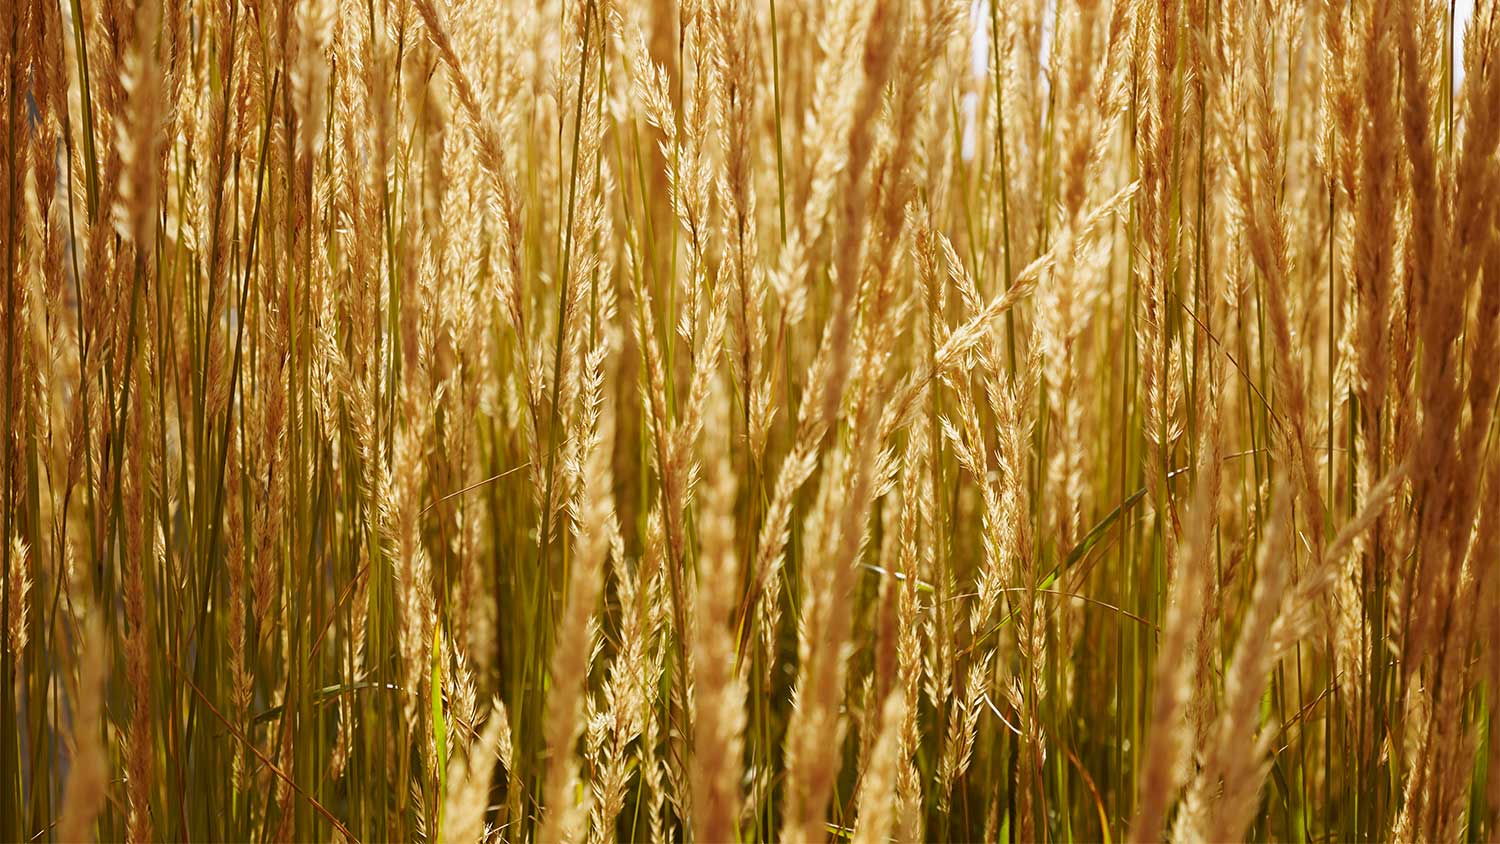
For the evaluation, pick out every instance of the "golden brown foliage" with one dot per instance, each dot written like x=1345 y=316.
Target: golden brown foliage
x=711 y=420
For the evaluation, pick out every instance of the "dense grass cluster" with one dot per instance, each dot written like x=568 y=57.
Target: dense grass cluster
x=749 y=420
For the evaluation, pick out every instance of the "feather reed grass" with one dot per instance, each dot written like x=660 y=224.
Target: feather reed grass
x=749 y=420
